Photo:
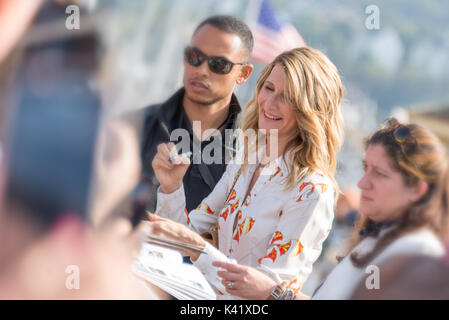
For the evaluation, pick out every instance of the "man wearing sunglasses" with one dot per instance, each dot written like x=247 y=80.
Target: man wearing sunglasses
x=215 y=61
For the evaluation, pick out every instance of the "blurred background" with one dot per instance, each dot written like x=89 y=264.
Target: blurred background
x=128 y=54
x=401 y=68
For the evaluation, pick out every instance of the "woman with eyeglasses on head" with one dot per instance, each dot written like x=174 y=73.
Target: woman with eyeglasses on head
x=272 y=214
x=404 y=207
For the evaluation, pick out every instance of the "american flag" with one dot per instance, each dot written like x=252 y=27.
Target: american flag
x=271 y=37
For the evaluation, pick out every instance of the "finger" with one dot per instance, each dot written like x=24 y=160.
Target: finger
x=157 y=229
x=155 y=217
x=163 y=150
x=159 y=164
x=172 y=147
x=228 y=289
x=228 y=276
x=161 y=161
x=230 y=267
x=173 y=152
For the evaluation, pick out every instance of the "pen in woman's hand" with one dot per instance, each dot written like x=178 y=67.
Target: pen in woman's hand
x=173 y=158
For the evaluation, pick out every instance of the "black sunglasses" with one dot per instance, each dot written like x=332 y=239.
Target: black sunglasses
x=220 y=65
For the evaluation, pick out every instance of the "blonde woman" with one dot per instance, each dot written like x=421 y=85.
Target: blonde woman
x=273 y=214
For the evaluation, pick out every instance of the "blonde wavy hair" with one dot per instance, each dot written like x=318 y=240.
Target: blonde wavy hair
x=313 y=86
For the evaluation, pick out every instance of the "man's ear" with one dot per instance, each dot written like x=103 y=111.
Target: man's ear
x=245 y=73
x=419 y=190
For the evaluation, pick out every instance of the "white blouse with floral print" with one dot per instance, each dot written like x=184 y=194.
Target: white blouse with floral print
x=279 y=232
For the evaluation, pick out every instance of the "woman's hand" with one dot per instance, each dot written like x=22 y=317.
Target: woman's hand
x=248 y=282
x=168 y=173
x=171 y=230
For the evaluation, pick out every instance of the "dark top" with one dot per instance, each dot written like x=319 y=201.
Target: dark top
x=202 y=176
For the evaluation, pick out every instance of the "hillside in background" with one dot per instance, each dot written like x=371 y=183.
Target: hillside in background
x=404 y=63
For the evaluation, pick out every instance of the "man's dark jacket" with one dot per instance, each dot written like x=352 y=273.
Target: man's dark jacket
x=200 y=179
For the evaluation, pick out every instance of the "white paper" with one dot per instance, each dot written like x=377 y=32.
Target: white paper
x=165 y=268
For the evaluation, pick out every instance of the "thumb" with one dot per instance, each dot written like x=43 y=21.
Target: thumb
x=184 y=160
